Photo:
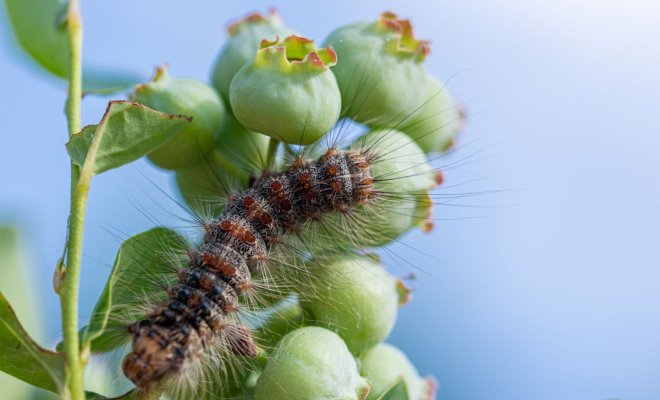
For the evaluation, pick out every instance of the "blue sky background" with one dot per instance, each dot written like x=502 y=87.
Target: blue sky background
x=548 y=291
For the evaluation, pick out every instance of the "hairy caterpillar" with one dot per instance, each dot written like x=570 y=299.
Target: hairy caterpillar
x=239 y=243
x=235 y=243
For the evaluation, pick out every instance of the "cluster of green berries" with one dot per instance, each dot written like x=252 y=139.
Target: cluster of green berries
x=269 y=83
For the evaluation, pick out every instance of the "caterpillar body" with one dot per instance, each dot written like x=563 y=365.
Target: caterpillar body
x=176 y=334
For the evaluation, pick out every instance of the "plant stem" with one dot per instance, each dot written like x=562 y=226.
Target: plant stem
x=79 y=188
x=73 y=108
x=273 y=144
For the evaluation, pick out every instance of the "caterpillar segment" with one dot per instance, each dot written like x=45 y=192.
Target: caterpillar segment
x=178 y=332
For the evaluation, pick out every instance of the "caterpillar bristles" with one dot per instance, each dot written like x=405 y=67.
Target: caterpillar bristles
x=176 y=334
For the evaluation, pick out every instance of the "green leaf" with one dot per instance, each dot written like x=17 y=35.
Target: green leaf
x=14 y=267
x=283 y=319
x=22 y=358
x=130 y=395
x=39 y=394
x=94 y=396
x=143 y=264
x=126 y=132
x=23 y=19
x=40 y=29
x=397 y=392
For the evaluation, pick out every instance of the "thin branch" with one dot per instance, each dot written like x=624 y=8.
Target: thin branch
x=71 y=272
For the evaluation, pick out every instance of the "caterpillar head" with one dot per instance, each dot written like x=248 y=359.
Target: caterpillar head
x=159 y=352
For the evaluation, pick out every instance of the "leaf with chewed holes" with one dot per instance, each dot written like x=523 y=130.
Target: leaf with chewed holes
x=24 y=359
x=144 y=264
x=126 y=132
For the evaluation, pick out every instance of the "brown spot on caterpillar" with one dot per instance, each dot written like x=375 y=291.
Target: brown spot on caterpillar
x=206 y=282
x=336 y=187
x=364 y=195
x=285 y=205
x=245 y=286
x=259 y=258
x=276 y=186
x=305 y=180
x=248 y=201
x=218 y=264
x=249 y=237
x=298 y=163
x=226 y=225
x=329 y=153
x=266 y=218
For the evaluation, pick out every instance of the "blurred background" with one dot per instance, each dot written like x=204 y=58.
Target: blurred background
x=543 y=287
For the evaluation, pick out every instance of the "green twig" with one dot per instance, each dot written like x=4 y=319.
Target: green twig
x=273 y=144
x=79 y=188
x=74 y=27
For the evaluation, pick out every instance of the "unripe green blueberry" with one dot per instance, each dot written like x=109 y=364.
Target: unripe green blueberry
x=436 y=121
x=400 y=165
x=403 y=177
x=243 y=149
x=237 y=156
x=385 y=366
x=368 y=226
x=311 y=363
x=380 y=73
x=241 y=46
x=186 y=97
x=205 y=184
x=352 y=295
x=282 y=321
x=288 y=91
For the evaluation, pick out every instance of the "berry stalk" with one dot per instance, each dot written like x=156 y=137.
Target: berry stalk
x=273 y=144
